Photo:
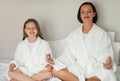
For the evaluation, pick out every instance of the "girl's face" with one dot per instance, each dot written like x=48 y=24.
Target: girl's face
x=31 y=29
x=87 y=14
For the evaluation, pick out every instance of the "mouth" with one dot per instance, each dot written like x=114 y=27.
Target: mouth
x=31 y=33
x=86 y=17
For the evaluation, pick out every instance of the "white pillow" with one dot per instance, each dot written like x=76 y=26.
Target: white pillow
x=57 y=47
x=112 y=35
x=5 y=61
x=116 y=48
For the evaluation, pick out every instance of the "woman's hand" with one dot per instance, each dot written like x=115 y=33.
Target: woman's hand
x=108 y=64
x=49 y=59
x=11 y=67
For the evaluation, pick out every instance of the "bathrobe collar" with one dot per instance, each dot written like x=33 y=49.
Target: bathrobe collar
x=37 y=40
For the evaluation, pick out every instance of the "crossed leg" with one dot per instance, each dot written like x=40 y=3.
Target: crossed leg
x=17 y=75
x=65 y=75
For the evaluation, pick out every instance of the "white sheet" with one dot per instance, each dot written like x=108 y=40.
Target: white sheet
x=3 y=70
x=3 y=79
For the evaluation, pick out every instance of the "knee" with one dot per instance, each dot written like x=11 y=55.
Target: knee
x=65 y=75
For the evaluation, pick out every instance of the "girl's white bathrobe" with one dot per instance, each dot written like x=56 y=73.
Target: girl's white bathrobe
x=30 y=58
x=85 y=54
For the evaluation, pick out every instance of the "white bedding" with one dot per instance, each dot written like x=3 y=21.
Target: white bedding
x=3 y=69
x=3 y=79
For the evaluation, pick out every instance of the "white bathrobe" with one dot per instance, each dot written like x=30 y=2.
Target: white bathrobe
x=30 y=58
x=85 y=57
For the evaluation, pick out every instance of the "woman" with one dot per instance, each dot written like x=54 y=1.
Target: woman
x=89 y=52
x=29 y=62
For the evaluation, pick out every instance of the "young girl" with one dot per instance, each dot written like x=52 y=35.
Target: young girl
x=30 y=56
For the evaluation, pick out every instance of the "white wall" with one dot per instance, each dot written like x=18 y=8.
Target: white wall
x=56 y=17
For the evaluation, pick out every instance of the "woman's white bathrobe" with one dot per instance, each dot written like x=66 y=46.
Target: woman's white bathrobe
x=85 y=58
x=31 y=59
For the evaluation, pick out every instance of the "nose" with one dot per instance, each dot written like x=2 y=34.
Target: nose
x=86 y=13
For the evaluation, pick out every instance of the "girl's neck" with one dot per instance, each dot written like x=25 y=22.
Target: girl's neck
x=87 y=27
x=32 y=39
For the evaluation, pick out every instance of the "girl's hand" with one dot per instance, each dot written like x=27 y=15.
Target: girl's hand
x=49 y=59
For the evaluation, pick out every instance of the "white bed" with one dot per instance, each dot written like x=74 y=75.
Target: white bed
x=3 y=69
x=57 y=48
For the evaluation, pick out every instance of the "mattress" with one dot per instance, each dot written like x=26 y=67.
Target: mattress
x=3 y=69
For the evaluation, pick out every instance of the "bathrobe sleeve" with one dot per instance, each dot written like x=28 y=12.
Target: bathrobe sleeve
x=106 y=50
x=48 y=51
x=19 y=60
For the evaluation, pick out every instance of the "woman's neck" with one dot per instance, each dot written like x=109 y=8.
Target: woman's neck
x=87 y=27
x=32 y=39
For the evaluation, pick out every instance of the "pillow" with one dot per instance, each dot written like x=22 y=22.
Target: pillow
x=112 y=35
x=57 y=47
x=116 y=48
x=5 y=61
x=118 y=73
